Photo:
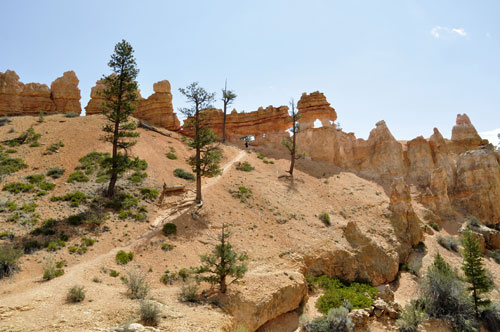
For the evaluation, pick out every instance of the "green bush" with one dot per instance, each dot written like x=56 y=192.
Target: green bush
x=11 y=206
x=491 y=317
x=13 y=218
x=75 y=220
x=411 y=317
x=54 y=147
x=171 y=156
x=54 y=245
x=46 y=186
x=10 y=165
x=123 y=258
x=325 y=218
x=137 y=285
x=167 y=278
x=76 y=294
x=149 y=193
x=31 y=246
x=92 y=161
x=114 y=273
x=6 y=235
x=77 y=176
x=55 y=172
x=121 y=202
x=169 y=228
x=149 y=313
x=449 y=242
x=10 y=151
x=75 y=198
x=261 y=156
x=243 y=193
x=180 y=173
x=189 y=292
x=138 y=177
x=245 y=167
x=8 y=260
x=50 y=270
x=17 y=187
x=35 y=178
x=27 y=208
x=336 y=320
x=167 y=247
x=336 y=293
x=87 y=241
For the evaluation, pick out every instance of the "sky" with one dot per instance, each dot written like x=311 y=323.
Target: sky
x=414 y=63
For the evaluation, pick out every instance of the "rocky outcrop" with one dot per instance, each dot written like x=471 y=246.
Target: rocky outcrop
x=312 y=107
x=17 y=98
x=66 y=94
x=435 y=197
x=463 y=135
x=267 y=125
x=404 y=221
x=420 y=161
x=265 y=295
x=477 y=187
x=157 y=109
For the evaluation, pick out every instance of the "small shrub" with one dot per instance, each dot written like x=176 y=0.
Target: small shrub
x=114 y=273
x=17 y=187
x=435 y=226
x=31 y=246
x=449 y=242
x=35 y=178
x=55 y=172
x=325 y=218
x=137 y=285
x=495 y=254
x=491 y=317
x=171 y=156
x=54 y=147
x=75 y=198
x=77 y=176
x=35 y=144
x=46 y=186
x=411 y=317
x=189 y=292
x=180 y=173
x=245 y=167
x=336 y=320
x=167 y=247
x=10 y=151
x=261 y=156
x=55 y=245
x=6 y=235
x=123 y=258
x=76 y=294
x=169 y=228
x=10 y=165
x=71 y=115
x=11 y=206
x=138 y=177
x=243 y=193
x=88 y=242
x=27 y=208
x=473 y=222
x=167 y=278
x=123 y=214
x=268 y=161
x=13 y=218
x=149 y=193
x=8 y=260
x=75 y=220
x=50 y=271
x=150 y=313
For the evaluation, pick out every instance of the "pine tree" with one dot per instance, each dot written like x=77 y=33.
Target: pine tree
x=228 y=97
x=291 y=142
x=223 y=262
x=206 y=160
x=120 y=95
x=474 y=270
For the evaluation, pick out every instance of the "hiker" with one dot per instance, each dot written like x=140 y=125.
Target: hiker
x=246 y=145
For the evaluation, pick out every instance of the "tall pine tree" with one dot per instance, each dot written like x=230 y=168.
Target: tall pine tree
x=119 y=97
x=474 y=270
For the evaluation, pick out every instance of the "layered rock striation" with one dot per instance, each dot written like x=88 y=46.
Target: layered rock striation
x=17 y=98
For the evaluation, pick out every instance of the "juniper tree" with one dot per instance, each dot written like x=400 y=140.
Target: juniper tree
x=207 y=156
x=474 y=270
x=119 y=97
x=222 y=263
x=228 y=98
x=291 y=142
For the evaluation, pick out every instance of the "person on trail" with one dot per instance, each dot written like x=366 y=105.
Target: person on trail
x=246 y=145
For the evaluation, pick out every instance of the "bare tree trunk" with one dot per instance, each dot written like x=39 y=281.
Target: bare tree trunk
x=198 y=157
x=224 y=124
x=114 y=166
x=292 y=162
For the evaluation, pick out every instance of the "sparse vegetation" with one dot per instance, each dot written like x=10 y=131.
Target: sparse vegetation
x=336 y=320
x=411 y=317
x=137 y=285
x=245 y=167
x=76 y=294
x=77 y=176
x=180 y=173
x=71 y=115
x=149 y=313
x=55 y=172
x=75 y=198
x=449 y=242
x=50 y=270
x=54 y=147
x=10 y=165
x=17 y=187
x=325 y=218
x=8 y=260
x=149 y=193
x=167 y=247
x=189 y=291
x=123 y=258
x=243 y=193
x=171 y=156
x=169 y=228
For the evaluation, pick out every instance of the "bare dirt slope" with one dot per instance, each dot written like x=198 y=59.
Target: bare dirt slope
x=277 y=225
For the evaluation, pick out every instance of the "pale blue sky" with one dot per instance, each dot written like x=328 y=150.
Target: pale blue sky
x=415 y=64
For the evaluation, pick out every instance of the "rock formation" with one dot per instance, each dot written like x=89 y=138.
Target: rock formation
x=314 y=106
x=17 y=98
x=266 y=124
x=464 y=136
x=155 y=110
x=66 y=94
